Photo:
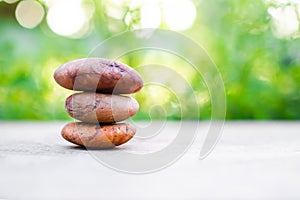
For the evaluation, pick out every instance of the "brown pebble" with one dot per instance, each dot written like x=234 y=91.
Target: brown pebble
x=98 y=74
x=98 y=136
x=97 y=107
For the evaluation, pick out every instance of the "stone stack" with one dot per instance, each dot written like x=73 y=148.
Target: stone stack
x=101 y=104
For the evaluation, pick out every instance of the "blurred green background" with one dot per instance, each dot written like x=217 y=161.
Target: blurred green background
x=254 y=44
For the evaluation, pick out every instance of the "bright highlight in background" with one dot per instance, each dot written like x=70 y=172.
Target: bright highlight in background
x=10 y=1
x=29 y=13
x=73 y=18
x=150 y=16
x=179 y=15
x=285 y=20
x=68 y=18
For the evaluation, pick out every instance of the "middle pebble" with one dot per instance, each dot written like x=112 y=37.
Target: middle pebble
x=103 y=108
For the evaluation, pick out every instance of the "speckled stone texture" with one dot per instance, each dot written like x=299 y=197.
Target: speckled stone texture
x=93 y=135
x=100 y=104
x=103 y=108
x=98 y=74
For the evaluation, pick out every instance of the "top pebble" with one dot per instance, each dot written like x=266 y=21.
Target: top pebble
x=98 y=74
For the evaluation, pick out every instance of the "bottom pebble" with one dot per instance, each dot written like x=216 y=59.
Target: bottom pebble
x=92 y=135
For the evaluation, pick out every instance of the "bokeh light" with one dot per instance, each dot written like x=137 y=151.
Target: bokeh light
x=69 y=18
x=255 y=45
x=284 y=20
x=150 y=16
x=29 y=13
x=179 y=15
x=10 y=1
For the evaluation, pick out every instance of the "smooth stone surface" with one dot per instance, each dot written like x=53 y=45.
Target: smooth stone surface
x=97 y=74
x=98 y=136
x=104 y=108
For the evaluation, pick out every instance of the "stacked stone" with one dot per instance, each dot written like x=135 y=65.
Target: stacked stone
x=101 y=104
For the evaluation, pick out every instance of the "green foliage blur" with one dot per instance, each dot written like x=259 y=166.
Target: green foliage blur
x=261 y=71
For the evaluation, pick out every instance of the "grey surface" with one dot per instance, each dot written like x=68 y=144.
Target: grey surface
x=253 y=160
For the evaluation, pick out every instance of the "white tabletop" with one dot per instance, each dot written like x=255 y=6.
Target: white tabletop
x=252 y=160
